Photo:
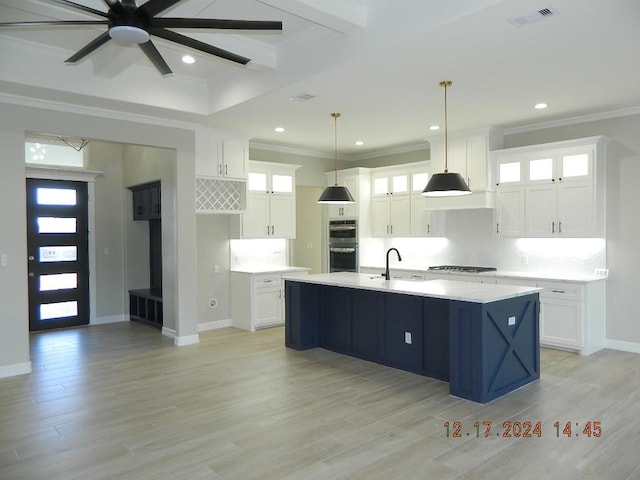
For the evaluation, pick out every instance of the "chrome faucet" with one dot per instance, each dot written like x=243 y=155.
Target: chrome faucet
x=386 y=271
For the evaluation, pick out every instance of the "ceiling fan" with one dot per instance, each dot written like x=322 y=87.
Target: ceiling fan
x=128 y=23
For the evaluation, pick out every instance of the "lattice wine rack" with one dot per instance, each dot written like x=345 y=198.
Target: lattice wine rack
x=214 y=195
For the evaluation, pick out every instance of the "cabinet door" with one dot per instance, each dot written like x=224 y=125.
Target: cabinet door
x=575 y=209
x=282 y=215
x=255 y=223
x=348 y=210
x=419 y=217
x=540 y=214
x=267 y=307
x=509 y=212
x=234 y=159
x=380 y=211
x=560 y=322
x=400 y=215
x=141 y=204
x=154 y=202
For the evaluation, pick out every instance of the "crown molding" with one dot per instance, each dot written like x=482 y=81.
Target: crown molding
x=625 y=112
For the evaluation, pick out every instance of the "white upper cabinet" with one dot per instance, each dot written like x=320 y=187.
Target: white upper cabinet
x=358 y=182
x=468 y=155
x=221 y=156
x=270 y=202
x=553 y=190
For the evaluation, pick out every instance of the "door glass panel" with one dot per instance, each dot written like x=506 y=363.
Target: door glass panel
x=59 y=281
x=509 y=172
x=575 y=165
x=400 y=184
x=58 y=254
x=55 y=196
x=541 y=169
x=58 y=310
x=257 y=182
x=282 y=183
x=419 y=181
x=379 y=186
x=56 y=225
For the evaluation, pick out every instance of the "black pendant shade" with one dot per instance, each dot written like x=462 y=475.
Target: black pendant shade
x=446 y=185
x=335 y=194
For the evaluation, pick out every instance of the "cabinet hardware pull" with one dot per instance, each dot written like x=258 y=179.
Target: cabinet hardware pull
x=559 y=227
x=220 y=169
x=428 y=228
x=559 y=291
x=391 y=229
x=225 y=169
x=267 y=229
x=272 y=229
x=553 y=227
x=497 y=228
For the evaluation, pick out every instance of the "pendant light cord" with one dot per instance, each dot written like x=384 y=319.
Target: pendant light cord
x=335 y=147
x=446 y=84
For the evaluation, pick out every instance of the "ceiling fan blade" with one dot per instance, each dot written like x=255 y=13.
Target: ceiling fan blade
x=153 y=54
x=215 y=24
x=90 y=47
x=67 y=3
x=154 y=7
x=198 y=45
x=53 y=23
x=115 y=5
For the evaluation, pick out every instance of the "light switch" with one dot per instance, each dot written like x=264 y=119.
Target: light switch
x=3 y=259
x=512 y=321
x=407 y=337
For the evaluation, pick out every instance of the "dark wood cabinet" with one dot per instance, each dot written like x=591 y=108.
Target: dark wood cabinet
x=145 y=305
x=146 y=201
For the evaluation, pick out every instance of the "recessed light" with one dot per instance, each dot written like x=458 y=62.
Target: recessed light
x=434 y=127
x=279 y=129
x=188 y=59
x=358 y=143
x=540 y=106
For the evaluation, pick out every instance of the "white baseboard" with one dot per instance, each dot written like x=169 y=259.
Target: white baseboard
x=15 y=369
x=203 y=327
x=110 y=319
x=621 y=345
x=180 y=341
x=186 y=340
x=167 y=332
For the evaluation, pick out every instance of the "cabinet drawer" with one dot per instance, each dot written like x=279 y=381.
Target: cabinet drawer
x=560 y=290
x=266 y=281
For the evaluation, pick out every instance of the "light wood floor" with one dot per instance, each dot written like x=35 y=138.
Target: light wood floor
x=121 y=402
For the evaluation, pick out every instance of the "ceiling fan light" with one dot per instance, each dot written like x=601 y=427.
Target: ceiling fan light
x=128 y=34
x=446 y=185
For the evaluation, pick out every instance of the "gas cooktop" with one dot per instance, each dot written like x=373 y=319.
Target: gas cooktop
x=461 y=268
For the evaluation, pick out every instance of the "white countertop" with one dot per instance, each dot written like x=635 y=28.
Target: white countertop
x=539 y=275
x=269 y=269
x=447 y=289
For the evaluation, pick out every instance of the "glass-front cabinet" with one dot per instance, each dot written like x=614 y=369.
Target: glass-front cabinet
x=551 y=190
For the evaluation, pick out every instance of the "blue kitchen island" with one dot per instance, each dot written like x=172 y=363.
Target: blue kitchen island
x=481 y=338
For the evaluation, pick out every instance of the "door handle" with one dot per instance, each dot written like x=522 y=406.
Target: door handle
x=31 y=274
x=31 y=258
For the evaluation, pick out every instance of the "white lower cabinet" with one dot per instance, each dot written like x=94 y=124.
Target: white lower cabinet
x=572 y=314
x=256 y=300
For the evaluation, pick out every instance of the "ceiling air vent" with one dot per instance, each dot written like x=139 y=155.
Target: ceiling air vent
x=302 y=97
x=532 y=17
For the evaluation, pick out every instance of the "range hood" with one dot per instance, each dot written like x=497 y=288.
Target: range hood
x=482 y=199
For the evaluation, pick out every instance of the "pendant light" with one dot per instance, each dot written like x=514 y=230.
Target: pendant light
x=335 y=194
x=446 y=184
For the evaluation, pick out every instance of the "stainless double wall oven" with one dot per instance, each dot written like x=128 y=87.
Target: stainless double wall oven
x=343 y=246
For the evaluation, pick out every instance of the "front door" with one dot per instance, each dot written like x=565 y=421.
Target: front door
x=57 y=237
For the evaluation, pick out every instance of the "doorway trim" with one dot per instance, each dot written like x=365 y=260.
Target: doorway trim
x=77 y=175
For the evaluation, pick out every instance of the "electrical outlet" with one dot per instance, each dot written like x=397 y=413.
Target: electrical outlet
x=512 y=321
x=407 y=337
